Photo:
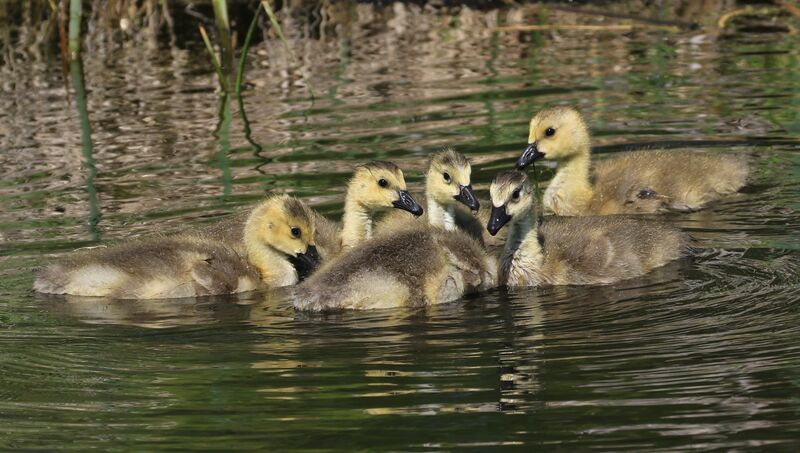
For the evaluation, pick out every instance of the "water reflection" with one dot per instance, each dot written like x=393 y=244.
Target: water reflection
x=79 y=87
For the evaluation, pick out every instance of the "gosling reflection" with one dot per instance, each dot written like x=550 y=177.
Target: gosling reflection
x=151 y=313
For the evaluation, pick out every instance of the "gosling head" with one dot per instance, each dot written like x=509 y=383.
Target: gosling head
x=512 y=198
x=285 y=224
x=557 y=133
x=378 y=186
x=448 y=179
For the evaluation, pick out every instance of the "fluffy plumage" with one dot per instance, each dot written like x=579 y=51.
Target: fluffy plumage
x=575 y=250
x=636 y=182
x=150 y=268
x=275 y=238
x=416 y=266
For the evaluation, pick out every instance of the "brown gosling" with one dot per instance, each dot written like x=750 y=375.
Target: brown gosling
x=374 y=188
x=637 y=182
x=277 y=249
x=411 y=267
x=574 y=250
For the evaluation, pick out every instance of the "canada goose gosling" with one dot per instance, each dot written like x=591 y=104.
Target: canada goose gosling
x=375 y=187
x=512 y=197
x=277 y=249
x=634 y=182
x=447 y=183
x=279 y=236
x=574 y=250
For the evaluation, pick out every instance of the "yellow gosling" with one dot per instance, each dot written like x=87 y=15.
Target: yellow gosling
x=448 y=191
x=276 y=248
x=375 y=187
x=636 y=182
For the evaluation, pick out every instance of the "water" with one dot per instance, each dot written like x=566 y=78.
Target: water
x=703 y=353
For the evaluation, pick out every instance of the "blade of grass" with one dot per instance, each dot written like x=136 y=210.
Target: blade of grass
x=224 y=34
x=274 y=21
x=223 y=83
x=245 y=49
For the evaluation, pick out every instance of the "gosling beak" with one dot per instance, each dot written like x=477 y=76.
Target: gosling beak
x=467 y=196
x=497 y=219
x=530 y=154
x=305 y=263
x=407 y=203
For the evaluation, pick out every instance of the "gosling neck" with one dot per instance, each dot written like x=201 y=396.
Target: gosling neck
x=272 y=265
x=518 y=231
x=523 y=253
x=440 y=216
x=570 y=191
x=356 y=223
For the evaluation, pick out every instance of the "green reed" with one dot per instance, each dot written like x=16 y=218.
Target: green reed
x=223 y=65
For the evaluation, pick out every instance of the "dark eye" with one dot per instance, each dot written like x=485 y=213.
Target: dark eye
x=549 y=132
x=296 y=232
x=446 y=176
x=515 y=195
x=382 y=182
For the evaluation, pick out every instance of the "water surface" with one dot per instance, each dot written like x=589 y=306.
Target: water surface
x=703 y=353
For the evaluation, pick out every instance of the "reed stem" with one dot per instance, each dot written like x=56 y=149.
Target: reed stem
x=245 y=49
x=75 y=12
x=225 y=40
x=223 y=81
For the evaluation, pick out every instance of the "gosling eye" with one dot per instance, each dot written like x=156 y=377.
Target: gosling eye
x=296 y=232
x=446 y=176
x=549 y=132
x=515 y=195
x=382 y=182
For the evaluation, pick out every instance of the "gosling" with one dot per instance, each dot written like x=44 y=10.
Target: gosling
x=412 y=267
x=638 y=182
x=448 y=189
x=277 y=249
x=574 y=250
x=374 y=188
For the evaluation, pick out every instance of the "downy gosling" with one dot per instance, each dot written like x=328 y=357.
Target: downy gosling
x=448 y=189
x=574 y=250
x=375 y=187
x=409 y=264
x=636 y=182
x=278 y=250
x=411 y=267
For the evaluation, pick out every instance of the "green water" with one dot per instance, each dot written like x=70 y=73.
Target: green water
x=701 y=354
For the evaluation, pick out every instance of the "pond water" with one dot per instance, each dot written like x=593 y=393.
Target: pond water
x=704 y=353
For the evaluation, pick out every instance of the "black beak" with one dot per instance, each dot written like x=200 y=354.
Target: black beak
x=530 y=154
x=407 y=203
x=497 y=219
x=467 y=196
x=305 y=263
